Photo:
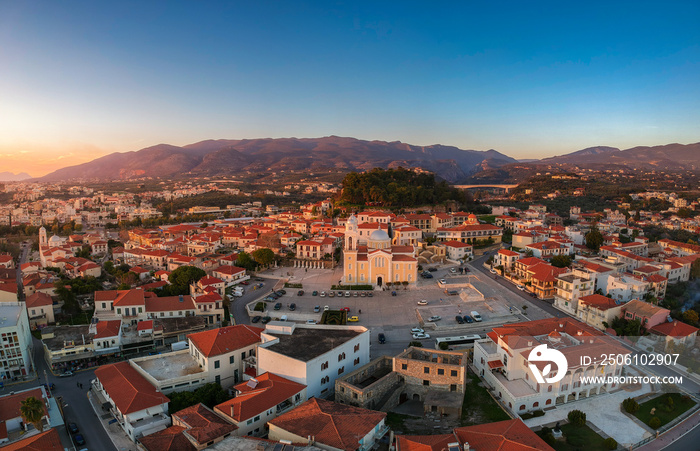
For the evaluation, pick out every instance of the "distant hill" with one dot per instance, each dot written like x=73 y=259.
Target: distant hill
x=10 y=177
x=228 y=157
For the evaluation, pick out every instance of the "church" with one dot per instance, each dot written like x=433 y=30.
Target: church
x=370 y=259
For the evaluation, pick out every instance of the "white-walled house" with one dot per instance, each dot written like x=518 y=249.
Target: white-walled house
x=312 y=355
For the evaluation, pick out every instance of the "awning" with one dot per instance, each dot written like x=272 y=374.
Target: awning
x=495 y=364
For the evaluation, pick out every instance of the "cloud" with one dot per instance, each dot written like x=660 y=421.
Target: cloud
x=61 y=157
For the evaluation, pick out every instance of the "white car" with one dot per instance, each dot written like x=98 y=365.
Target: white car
x=453 y=270
x=417 y=330
x=442 y=281
x=310 y=321
x=521 y=288
x=326 y=308
x=435 y=318
x=323 y=294
x=423 y=302
x=421 y=336
x=493 y=271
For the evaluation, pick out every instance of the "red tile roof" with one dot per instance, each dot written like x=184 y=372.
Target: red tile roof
x=39 y=299
x=129 y=391
x=169 y=303
x=10 y=404
x=145 y=325
x=509 y=435
x=121 y=298
x=45 y=441
x=202 y=424
x=599 y=301
x=107 y=329
x=170 y=439
x=674 y=329
x=256 y=397
x=225 y=339
x=337 y=425
x=423 y=442
x=229 y=269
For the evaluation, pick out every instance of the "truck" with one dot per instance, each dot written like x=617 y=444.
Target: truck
x=476 y=316
x=180 y=345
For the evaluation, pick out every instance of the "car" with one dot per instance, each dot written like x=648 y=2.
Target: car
x=300 y=293
x=363 y=295
x=340 y=294
x=266 y=320
x=280 y=293
x=442 y=281
x=315 y=293
x=423 y=302
x=427 y=276
x=66 y=374
x=79 y=440
x=355 y=294
x=278 y=306
x=476 y=316
x=370 y=294
x=468 y=319
x=493 y=271
x=323 y=294
x=533 y=294
x=421 y=336
x=521 y=288
x=317 y=308
x=244 y=283
x=432 y=269
x=331 y=294
x=417 y=330
x=453 y=270
x=51 y=386
x=310 y=321
x=347 y=294
x=382 y=338
x=292 y=306
x=258 y=279
x=393 y=293
x=283 y=292
x=326 y=308
x=345 y=309
x=255 y=319
x=459 y=319
x=352 y=319
x=274 y=296
x=435 y=318
x=269 y=299
x=73 y=428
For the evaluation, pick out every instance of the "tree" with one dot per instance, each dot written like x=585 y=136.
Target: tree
x=561 y=261
x=594 y=239
x=610 y=443
x=264 y=256
x=695 y=269
x=32 y=411
x=690 y=316
x=244 y=260
x=577 y=418
x=630 y=405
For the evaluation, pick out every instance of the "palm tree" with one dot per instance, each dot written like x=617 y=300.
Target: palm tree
x=32 y=411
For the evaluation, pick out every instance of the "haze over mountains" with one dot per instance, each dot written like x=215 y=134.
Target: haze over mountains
x=11 y=177
x=230 y=157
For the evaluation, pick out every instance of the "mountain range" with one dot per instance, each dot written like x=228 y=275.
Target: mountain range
x=229 y=157
x=11 y=177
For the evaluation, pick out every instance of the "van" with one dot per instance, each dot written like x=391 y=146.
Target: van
x=179 y=346
x=283 y=318
x=476 y=316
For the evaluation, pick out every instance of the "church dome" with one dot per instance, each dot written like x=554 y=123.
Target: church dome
x=352 y=220
x=55 y=239
x=379 y=235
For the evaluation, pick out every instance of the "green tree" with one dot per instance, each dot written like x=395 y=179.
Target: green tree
x=690 y=317
x=594 y=239
x=244 y=260
x=32 y=411
x=264 y=256
x=183 y=276
x=630 y=405
x=561 y=261
x=577 y=418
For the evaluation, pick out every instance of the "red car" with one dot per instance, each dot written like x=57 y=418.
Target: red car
x=244 y=283
x=345 y=309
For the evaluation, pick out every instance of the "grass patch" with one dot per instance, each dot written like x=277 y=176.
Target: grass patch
x=479 y=407
x=395 y=421
x=664 y=412
x=292 y=285
x=579 y=439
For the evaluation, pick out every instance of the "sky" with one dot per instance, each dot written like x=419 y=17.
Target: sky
x=80 y=79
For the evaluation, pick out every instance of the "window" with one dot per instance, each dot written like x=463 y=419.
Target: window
x=119 y=311
x=140 y=310
x=216 y=364
x=549 y=388
x=522 y=407
x=356 y=361
x=426 y=383
x=426 y=370
x=104 y=305
x=257 y=418
x=453 y=373
x=341 y=370
x=218 y=379
x=242 y=355
x=250 y=421
x=404 y=366
x=453 y=387
x=357 y=347
x=536 y=404
x=230 y=360
x=441 y=372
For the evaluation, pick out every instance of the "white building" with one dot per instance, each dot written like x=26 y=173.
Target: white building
x=312 y=355
x=15 y=341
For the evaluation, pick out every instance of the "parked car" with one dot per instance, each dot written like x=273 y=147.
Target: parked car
x=300 y=293
x=432 y=269
x=266 y=320
x=370 y=294
x=347 y=294
x=381 y=338
x=345 y=309
x=435 y=318
x=422 y=302
x=244 y=282
x=278 y=306
x=442 y=281
x=363 y=294
x=353 y=319
x=315 y=293
x=258 y=279
x=459 y=319
x=73 y=428
x=51 y=386
x=476 y=316
x=66 y=374
x=417 y=330
x=421 y=336
x=331 y=294
x=521 y=288
x=427 y=276
x=79 y=440
x=292 y=306
x=317 y=308
x=282 y=292
x=355 y=294
x=468 y=319
x=326 y=308
x=255 y=319
x=323 y=294
x=453 y=270
x=310 y=321
x=393 y=293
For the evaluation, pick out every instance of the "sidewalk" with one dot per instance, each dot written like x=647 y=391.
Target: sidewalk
x=674 y=434
x=116 y=434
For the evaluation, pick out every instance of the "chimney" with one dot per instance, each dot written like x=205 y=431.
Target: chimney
x=466 y=446
x=182 y=299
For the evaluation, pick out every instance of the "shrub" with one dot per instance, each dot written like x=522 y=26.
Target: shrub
x=577 y=418
x=654 y=423
x=669 y=401
x=444 y=346
x=610 y=443
x=538 y=413
x=630 y=405
x=259 y=307
x=416 y=344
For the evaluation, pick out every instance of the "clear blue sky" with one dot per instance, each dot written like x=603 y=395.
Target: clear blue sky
x=529 y=79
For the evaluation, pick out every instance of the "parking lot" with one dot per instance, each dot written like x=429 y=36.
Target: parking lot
x=394 y=316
